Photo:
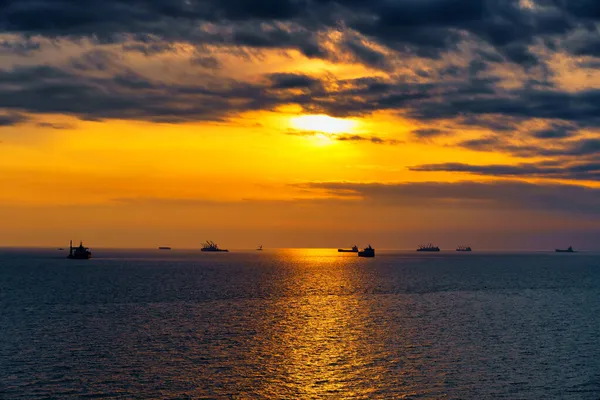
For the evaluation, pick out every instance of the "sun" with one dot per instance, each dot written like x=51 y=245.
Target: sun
x=323 y=123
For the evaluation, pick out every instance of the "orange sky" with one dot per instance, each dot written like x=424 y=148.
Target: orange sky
x=246 y=145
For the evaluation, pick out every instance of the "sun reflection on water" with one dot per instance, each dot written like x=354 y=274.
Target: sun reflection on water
x=321 y=339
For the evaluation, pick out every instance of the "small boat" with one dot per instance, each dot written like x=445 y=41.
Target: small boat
x=354 y=249
x=60 y=249
x=464 y=248
x=164 y=248
x=367 y=252
x=79 y=253
x=212 y=246
x=569 y=250
x=428 y=247
x=259 y=248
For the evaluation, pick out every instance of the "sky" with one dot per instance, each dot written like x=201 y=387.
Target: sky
x=300 y=123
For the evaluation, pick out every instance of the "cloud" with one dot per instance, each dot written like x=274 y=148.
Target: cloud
x=492 y=195
x=22 y=46
x=346 y=137
x=292 y=81
x=426 y=133
x=425 y=28
x=553 y=170
x=473 y=51
x=12 y=119
x=125 y=95
x=51 y=125
x=556 y=131
x=587 y=147
x=362 y=138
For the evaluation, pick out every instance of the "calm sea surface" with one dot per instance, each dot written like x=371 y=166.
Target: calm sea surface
x=299 y=324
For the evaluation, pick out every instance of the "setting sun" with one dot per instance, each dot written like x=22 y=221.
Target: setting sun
x=324 y=123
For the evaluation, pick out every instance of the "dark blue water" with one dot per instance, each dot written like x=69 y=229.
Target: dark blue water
x=299 y=324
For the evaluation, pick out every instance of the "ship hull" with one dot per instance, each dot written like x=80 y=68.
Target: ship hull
x=215 y=251
x=366 y=254
x=564 y=251
x=347 y=251
x=80 y=257
x=428 y=250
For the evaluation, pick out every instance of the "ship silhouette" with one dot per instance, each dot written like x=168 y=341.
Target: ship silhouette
x=464 y=248
x=209 y=245
x=428 y=247
x=259 y=248
x=79 y=253
x=569 y=250
x=367 y=252
x=354 y=249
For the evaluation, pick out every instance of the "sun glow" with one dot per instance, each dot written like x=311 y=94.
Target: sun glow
x=323 y=123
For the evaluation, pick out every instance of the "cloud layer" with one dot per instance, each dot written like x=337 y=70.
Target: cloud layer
x=522 y=71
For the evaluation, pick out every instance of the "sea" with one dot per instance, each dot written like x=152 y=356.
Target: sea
x=299 y=324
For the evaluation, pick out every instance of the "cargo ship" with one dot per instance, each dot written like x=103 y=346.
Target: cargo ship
x=354 y=249
x=569 y=250
x=79 y=253
x=367 y=252
x=212 y=246
x=164 y=248
x=464 y=248
x=428 y=247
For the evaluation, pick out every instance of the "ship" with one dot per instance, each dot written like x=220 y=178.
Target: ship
x=259 y=248
x=428 y=247
x=164 y=248
x=367 y=252
x=354 y=249
x=79 y=253
x=209 y=245
x=569 y=250
x=464 y=248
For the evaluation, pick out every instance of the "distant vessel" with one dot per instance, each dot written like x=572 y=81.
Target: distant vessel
x=367 y=252
x=60 y=248
x=259 y=248
x=79 y=253
x=569 y=250
x=212 y=246
x=428 y=247
x=463 y=248
x=354 y=249
x=164 y=248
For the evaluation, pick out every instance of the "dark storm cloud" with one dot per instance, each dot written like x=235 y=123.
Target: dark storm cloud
x=206 y=62
x=481 y=99
x=96 y=60
x=365 y=54
x=125 y=95
x=572 y=148
x=12 y=119
x=497 y=195
x=580 y=171
x=426 y=133
x=20 y=46
x=376 y=33
x=494 y=122
x=292 y=81
x=425 y=27
x=555 y=131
